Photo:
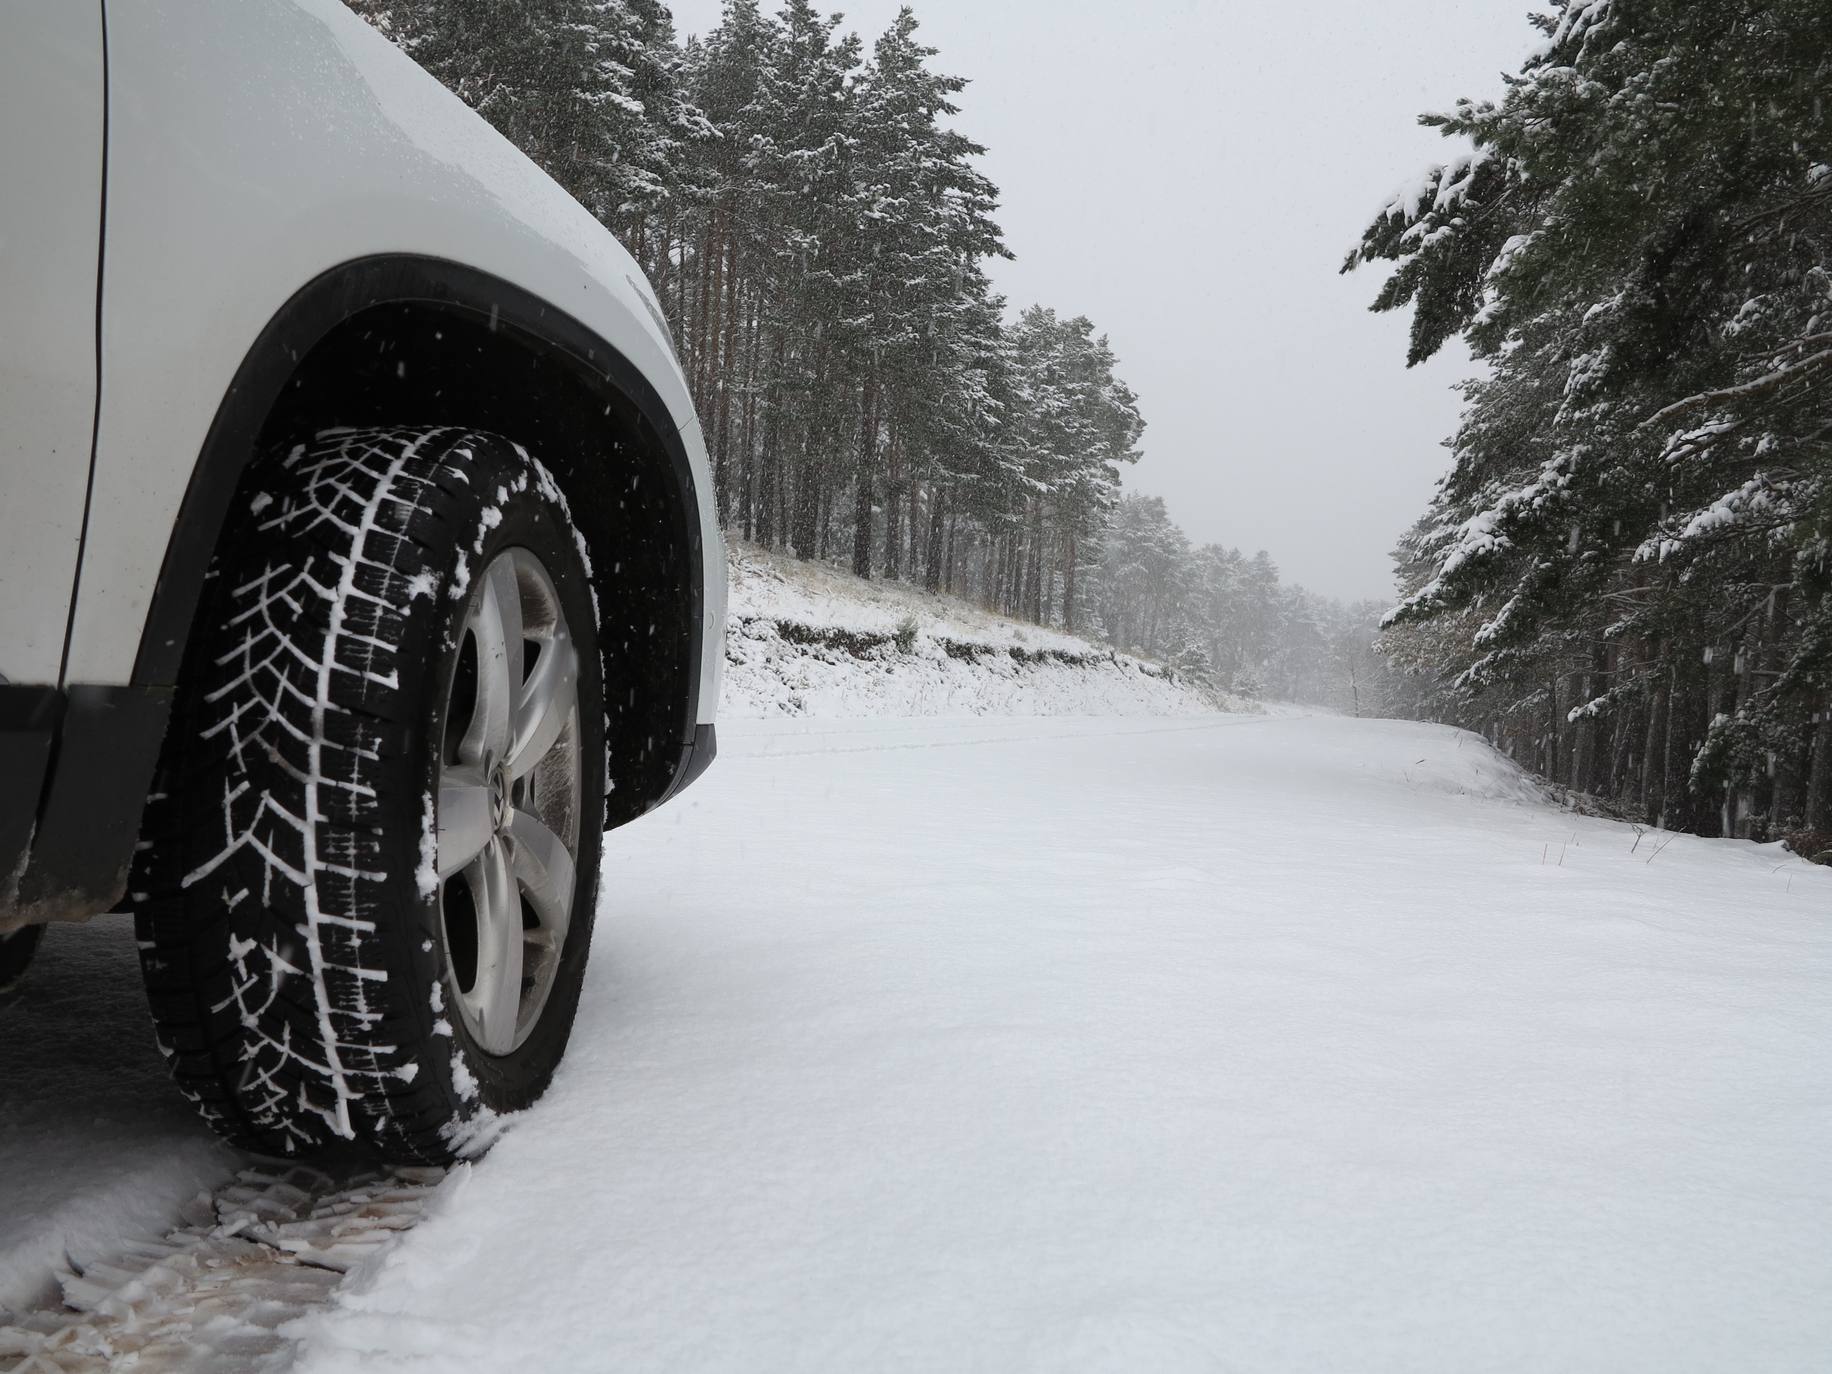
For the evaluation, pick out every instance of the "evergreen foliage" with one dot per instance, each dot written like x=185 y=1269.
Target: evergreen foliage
x=818 y=232
x=1624 y=577
x=587 y=88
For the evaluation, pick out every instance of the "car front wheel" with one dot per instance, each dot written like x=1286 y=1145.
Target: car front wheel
x=366 y=892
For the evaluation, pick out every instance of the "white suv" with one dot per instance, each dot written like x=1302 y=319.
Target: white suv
x=358 y=563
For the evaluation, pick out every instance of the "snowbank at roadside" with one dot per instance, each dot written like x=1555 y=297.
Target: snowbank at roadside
x=805 y=639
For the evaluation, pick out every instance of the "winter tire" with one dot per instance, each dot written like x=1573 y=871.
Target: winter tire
x=365 y=894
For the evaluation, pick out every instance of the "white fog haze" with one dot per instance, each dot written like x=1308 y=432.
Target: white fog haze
x=1190 y=177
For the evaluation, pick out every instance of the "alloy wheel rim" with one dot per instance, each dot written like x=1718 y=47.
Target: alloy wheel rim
x=510 y=787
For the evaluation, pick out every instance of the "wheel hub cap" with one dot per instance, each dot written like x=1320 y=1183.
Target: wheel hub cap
x=511 y=795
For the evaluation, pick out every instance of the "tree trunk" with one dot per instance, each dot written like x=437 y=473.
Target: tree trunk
x=1653 y=772
x=893 y=507
x=1550 y=767
x=816 y=431
x=1034 y=603
x=805 y=516
x=703 y=317
x=1046 y=580
x=747 y=426
x=932 y=572
x=915 y=522
x=769 y=478
x=680 y=289
x=1819 y=774
x=1739 y=802
x=1671 y=785
x=862 y=499
x=727 y=376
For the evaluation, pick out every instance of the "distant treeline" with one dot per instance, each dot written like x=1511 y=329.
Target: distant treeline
x=818 y=232
x=1226 y=618
x=1624 y=579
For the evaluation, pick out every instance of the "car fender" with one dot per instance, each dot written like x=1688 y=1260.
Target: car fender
x=254 y=147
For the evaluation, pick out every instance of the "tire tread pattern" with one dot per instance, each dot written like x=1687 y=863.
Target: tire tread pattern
x=291 y=817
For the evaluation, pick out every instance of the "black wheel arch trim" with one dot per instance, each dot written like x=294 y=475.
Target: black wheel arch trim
x=317 y=308
x=74 y=769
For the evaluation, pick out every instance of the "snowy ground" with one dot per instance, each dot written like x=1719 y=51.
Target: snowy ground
x=1241 y=1043
x=95 y=1145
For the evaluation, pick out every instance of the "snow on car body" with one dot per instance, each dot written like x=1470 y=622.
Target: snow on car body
x=231 y=229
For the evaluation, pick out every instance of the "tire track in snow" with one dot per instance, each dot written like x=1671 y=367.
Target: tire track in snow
x=213 y=1296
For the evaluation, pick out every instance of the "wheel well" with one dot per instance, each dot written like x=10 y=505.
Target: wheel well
x=439 y=363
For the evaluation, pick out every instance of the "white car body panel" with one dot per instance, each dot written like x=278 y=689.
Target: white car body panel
x=50 y=222
x=254 y=145
x=712 y=611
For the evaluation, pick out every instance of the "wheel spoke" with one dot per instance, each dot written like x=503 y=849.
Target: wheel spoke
x=497 y=624
x=546 y=702
x=495 y=998
x=466 y=820
x=544 y=870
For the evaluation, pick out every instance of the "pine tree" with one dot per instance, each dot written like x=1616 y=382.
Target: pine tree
x=818 y=231
x=1632 y=540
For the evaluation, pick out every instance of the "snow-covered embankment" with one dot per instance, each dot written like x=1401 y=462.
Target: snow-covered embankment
x=806 y=639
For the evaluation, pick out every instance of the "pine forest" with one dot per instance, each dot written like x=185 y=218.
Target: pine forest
x=1623 y=579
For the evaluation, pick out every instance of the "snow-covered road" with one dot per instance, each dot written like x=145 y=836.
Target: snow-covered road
x=1230 y=1044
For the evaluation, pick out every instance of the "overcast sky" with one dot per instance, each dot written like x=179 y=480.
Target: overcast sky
x=1189 y=174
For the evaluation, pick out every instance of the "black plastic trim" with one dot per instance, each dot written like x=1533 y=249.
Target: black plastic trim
x=87 y=804
x=696 y=758
x=28 y=726
x=316 y=309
